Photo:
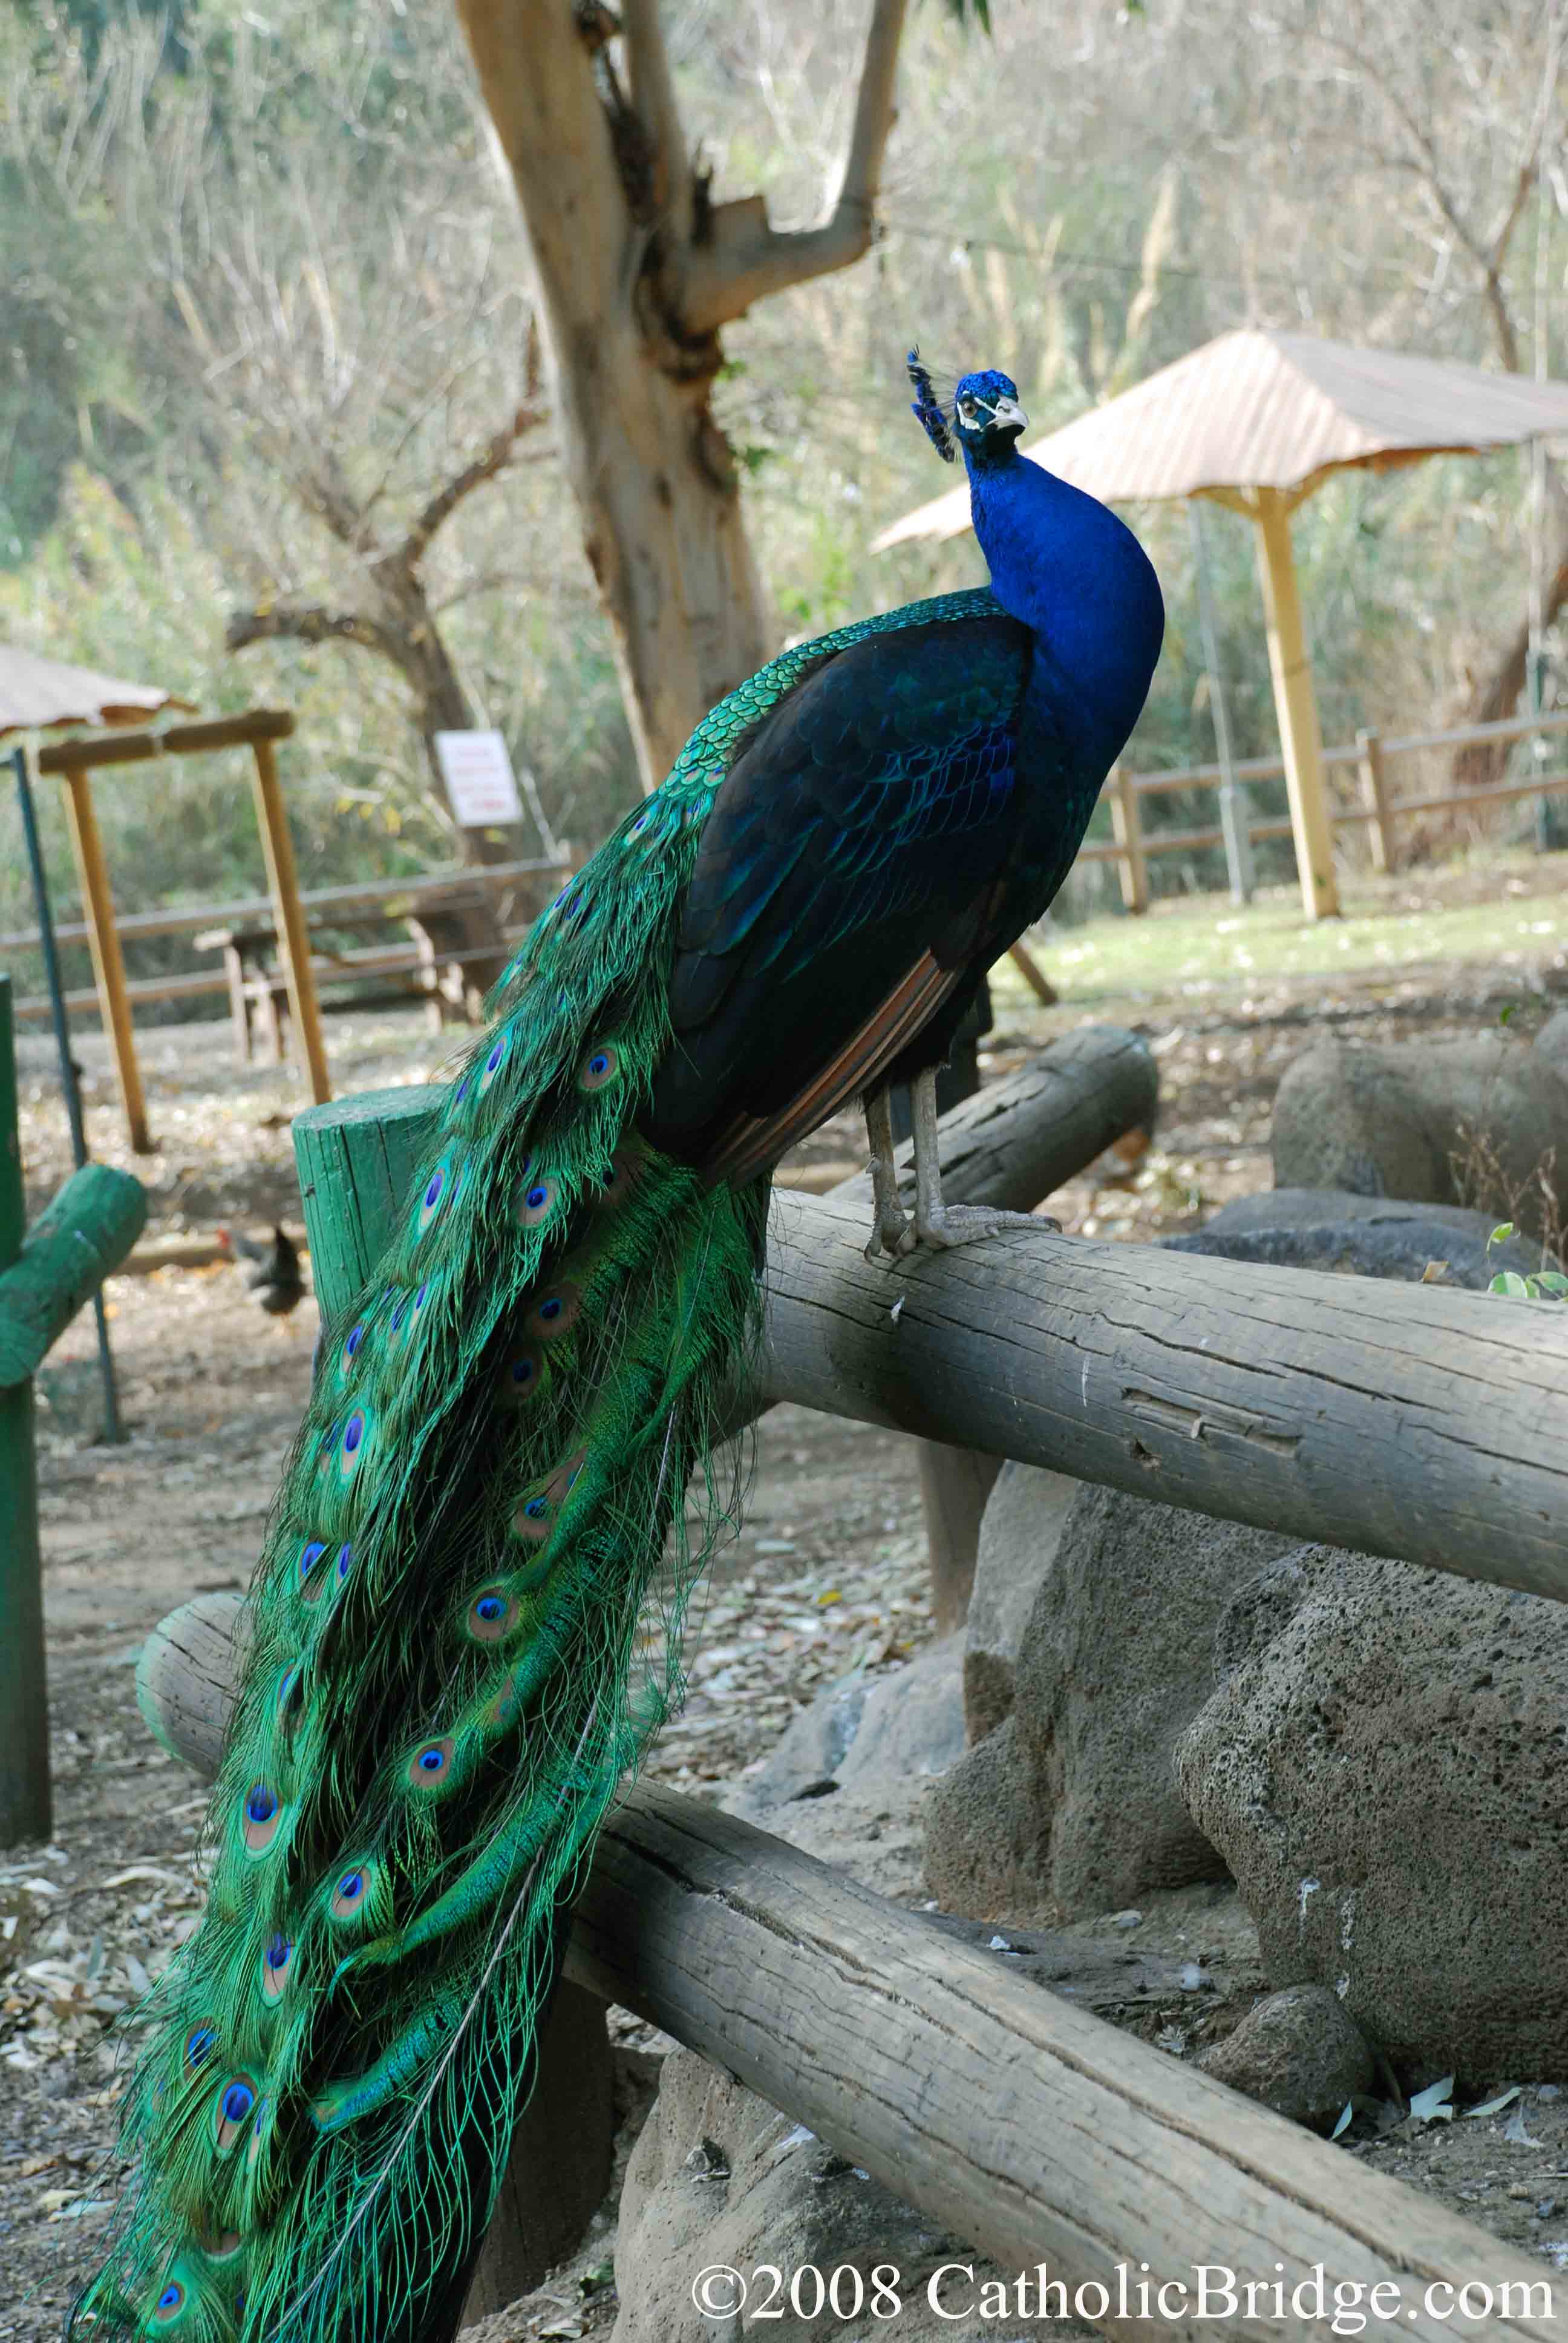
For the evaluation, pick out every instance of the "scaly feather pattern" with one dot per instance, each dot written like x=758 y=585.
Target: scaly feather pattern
x=466 y=1629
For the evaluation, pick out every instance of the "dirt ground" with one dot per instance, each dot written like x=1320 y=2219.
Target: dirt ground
x=828 y=1573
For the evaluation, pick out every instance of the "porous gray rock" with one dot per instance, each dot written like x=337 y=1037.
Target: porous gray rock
x=1358 y=1236
x=1390 y=1121
x=719 y=2180
x=1071 y=1804
x=847 y=1780
x=1019 y=1532
x=1385 y=1767
x=1297 y=2052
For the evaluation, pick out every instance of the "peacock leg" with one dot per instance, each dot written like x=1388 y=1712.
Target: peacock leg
x=945 y=1225
x=890 y=1233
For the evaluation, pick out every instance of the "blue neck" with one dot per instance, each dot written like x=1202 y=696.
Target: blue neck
x=1070 y=569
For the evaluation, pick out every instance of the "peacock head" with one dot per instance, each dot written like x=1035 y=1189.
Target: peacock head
x=986 y=417
x=983 y=417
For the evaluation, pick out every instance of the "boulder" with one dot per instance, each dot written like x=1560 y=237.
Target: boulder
x=1297 y=2052
x=1416 y=1120
x=848 y=1779
x=1359 y=1236
x=721 y=2182
x=1019 y=1532
x=1385 y=1767
x=1071 y=1802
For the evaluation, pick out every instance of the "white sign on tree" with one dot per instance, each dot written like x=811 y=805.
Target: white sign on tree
x=479 y=779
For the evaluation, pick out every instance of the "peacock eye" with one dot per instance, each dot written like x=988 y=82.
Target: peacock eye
x=969 y=408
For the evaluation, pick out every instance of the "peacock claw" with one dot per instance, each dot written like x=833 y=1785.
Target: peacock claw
x=949 y=1225
x=889 y=1222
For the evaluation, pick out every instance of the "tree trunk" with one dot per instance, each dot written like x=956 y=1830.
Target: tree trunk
x=637 y=272
x=1485 y=761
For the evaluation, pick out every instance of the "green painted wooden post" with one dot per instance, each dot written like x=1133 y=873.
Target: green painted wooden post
x=358 y=1159
x=45 y=1278
x=25 y=1804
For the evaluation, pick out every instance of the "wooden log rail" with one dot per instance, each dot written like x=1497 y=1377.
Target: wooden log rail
x=74 y=1244
x=1032 y=2128
x=1398 y=1420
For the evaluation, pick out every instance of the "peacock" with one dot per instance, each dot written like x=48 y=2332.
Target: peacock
x=467 y=1616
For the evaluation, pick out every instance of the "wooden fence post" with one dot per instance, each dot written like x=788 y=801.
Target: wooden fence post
x=292 y=935
x=104 y=941
x=1127 y=827
x=1374 y=797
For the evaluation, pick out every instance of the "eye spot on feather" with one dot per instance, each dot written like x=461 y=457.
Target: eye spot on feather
x=236 y=2106
x=222 y=2247
x=522 y=1377
x=349 y=1894
x=170 y=2303
x=345 y=1563
x=284 y=1698
x=355 y=1438
x=200 y=2044
x=351 y=1347
x=305 y=1570
x=534 y=1519
x=492 y=1615
x=433 y=1195
x=536 y=1202
x=493 y=1063
x=554 y=1313
x=263 y=1817
x=598 y=1068
x=274 y=1962
x=429 y=1766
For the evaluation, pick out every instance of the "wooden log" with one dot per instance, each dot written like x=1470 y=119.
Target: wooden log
x=25 y=1811
x=71 y=1247
x=1295 y=705
x=1014 y=2118
x=108 y=961
x=1373 y=777
x=1399 y=1419
x=1127 y=827
x=293 y=934
x=174 y=741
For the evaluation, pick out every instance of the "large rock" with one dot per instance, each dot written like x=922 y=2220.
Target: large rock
x=847 y=1780
x=1072 y=1803
x=1384 y=1766
x=721 y=2182
x=1019 y=1532
x=1297 y=2052
x=1358 y=1236
x=1407 y=1121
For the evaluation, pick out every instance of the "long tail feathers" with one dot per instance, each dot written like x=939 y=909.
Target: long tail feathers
x=466 y=1628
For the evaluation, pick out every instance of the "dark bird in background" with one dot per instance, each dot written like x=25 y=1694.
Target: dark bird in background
x=271 y=1271
x=466 y=1621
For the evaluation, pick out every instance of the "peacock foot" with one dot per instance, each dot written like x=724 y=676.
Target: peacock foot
x=892 y=1232
x=948 y=1225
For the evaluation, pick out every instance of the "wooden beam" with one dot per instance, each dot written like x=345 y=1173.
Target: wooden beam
x=293 y=933
x=103 y=942
x=1296 y=705
x=1033 y=975
x=175 y=741
x=1020 y=2123
x=71 y=1248
x=1374 y=779
x=1399 y=1420
x=1127 y=827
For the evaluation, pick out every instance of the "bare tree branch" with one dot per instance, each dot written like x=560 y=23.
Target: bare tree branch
x=652 y=94
x=309 y=624
x=493 y=457
x=744 y=259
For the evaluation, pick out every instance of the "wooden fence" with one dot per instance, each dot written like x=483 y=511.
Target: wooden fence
x=1131 y=846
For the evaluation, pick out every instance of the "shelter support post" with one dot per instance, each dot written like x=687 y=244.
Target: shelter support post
x=1296 y=704
x=24 y=1802
x=293 y=934
x=1373 y=777
x=104 y=941
x=1126 y=828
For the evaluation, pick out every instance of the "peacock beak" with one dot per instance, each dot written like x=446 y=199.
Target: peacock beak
x=1008 y=415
